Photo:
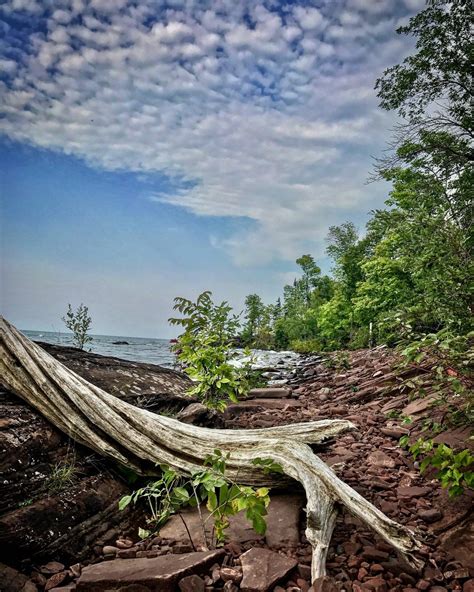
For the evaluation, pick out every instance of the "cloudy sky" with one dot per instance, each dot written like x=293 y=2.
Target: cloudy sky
x=152 y=149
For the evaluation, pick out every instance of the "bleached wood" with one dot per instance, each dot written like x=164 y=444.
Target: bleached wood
x=141 y=440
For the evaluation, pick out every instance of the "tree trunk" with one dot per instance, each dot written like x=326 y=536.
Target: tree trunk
x=142 y=440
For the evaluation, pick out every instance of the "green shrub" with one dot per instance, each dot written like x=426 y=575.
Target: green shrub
x=223 y=497
x=205 y=351
x=453 y=468
x=79 y=323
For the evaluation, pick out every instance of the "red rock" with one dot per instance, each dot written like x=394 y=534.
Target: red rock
x=303 y=585
x=262 y=569
x=67 y=588
x=378 y=458
x=52 y=567
x=394 y=432
x=55 y=580
x=418 y=406
x=160 y=573
x=75 y=569
x=429 y=516
x=376 y=568
x=377 y=584
x=324 y=584
x=304 y=571
x=468 y=586
x=192 y=584
x=423 y=585
x=269 y=393
x=413 y=491
x=127 y=553
x=124 y=543
x=231 y=574
x=373 y=554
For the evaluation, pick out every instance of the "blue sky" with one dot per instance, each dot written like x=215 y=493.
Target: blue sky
x=157 y=149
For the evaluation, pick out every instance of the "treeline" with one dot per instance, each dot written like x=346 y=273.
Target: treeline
x=411 y=271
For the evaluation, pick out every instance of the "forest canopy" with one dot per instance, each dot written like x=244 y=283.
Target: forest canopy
x=410 y=272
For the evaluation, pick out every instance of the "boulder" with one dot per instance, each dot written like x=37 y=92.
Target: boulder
x=161 y=574
x=262 y=569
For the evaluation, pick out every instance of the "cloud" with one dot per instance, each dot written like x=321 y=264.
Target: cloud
x=255 y=110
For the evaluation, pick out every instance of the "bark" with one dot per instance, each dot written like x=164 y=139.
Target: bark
x=142 y=440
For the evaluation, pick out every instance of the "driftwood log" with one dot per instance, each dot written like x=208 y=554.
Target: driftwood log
x=140 y=440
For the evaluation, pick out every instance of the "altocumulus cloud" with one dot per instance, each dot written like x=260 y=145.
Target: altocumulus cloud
x=257 y=109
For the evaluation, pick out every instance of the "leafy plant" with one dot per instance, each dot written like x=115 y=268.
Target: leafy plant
x=453 y=468
x=223 y=497
x=79 y=322
x=205 y=350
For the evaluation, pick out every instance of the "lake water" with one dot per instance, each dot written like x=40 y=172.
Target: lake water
x=138 y=349
x=157 y=351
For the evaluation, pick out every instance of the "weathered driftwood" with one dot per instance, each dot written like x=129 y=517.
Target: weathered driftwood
x=140 y=439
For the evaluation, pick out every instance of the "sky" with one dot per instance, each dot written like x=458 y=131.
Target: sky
x=153 y=149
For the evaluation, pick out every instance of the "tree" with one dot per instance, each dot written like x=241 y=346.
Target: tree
x=79 y=323
x=433 y=89
x=254 y=311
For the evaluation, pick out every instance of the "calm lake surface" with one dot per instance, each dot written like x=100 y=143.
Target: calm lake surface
x=138 y=349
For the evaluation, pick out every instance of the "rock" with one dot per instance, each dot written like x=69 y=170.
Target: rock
x=377 y=584
x=194 y=413
x=418 y=406
x=455 y=438
x=67 y=588
x=373 y=554
x=269 y=393
x=324 y=584
x=120 y=343
x=64 y=524
x=123 y=543
x=256 y=405
x=429 y=516
x=459 y=542
x=468 y=586
x=75 y=569
x=283 y=520
x=262 y=569
x=411 y=492
x=160 y=573
x=192 y=584
x=109 y=550
x=231 y=574
x=52 y=567
x=378 y=458
x=13 y=581
x=55 y=580
x=394 y=432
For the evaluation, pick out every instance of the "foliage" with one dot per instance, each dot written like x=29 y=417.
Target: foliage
x=205 y=350
x=79 y=322
x=411 y=273
x=450 y=358
x=452 y=468
x=62 y=476
x=223 y=497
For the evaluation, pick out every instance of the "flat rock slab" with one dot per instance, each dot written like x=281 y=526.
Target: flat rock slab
x=418 y=406
x=260 y=405
x=283 y=521
x=269 y=393
x=262 y=569
x=159 y=574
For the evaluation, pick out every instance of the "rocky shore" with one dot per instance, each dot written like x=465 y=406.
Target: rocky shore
x=59 y=534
